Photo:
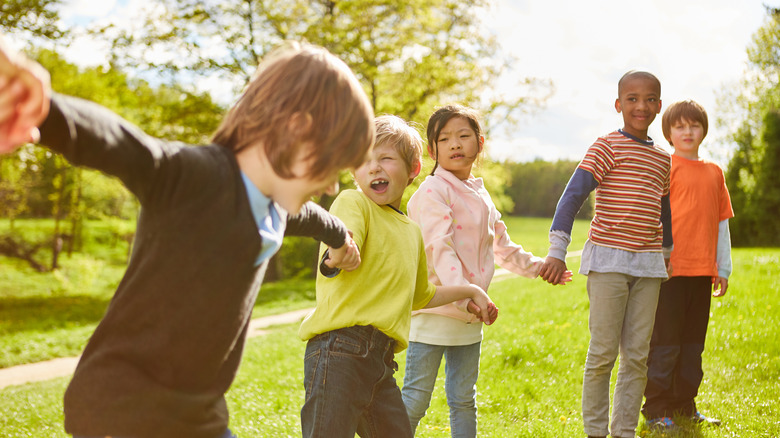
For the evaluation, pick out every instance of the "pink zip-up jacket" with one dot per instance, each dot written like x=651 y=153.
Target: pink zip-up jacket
x=464 y=237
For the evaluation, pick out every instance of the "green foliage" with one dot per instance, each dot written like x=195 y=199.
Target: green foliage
x=411 y=55
x=537 y=186
x=35 y=17
x=755 y=186
x=752 y=172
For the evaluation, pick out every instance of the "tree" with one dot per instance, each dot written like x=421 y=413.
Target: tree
x=411 y=55
x=35 y=182
x=752 y=172
x=537 y=186
x=36 y=17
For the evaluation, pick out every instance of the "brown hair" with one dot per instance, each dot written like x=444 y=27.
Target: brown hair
x=439 y=119
x=403 y=137
x=301 y=94
x=684 y=110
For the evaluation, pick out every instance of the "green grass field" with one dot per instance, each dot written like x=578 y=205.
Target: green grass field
x=531 y=369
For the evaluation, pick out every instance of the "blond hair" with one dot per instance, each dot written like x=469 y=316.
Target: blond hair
x=403 y=137
x=302 y=95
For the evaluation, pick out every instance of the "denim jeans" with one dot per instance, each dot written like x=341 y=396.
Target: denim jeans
x=227 y=434
x=461 y=371
x=622 y=313
x=348 y=377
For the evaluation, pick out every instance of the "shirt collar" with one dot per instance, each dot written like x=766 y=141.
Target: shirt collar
x=270 y=223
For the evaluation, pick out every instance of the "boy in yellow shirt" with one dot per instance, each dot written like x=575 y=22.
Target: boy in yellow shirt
x=362 y=317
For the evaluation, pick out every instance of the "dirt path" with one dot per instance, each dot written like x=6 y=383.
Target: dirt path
x=64 y=366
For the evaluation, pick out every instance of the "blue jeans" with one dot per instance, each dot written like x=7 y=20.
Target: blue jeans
x=350 y=388
x=227 y=434
x=461 y=369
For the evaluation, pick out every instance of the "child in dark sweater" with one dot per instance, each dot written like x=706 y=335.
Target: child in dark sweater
x=169 y=345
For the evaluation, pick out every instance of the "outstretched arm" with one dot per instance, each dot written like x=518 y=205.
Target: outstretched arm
x=24 y=98
x=580 y=185
x=448 y=294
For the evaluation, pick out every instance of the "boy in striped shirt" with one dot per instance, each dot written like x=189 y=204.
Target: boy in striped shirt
x=626 y=255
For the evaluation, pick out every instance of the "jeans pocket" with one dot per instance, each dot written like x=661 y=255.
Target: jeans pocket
x=348 y=346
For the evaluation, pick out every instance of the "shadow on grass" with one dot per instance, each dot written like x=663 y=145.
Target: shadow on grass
x=48 y=313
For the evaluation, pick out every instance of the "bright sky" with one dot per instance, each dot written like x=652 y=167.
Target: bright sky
x=695 y=47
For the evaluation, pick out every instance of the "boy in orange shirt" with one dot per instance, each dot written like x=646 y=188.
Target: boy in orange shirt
x=701 y=261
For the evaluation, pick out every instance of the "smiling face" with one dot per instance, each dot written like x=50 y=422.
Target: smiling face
x=457 y=147
x=384 y=177
x=639 y=100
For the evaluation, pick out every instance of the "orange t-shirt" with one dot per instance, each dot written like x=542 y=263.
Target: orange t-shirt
x=699 y=200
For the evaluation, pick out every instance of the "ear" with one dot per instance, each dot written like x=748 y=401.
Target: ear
x=432 y=151
x=416 y=169
x=414 y=172
x=481 y=143
x=617 y=106
x=299 y=124
x=660 y=104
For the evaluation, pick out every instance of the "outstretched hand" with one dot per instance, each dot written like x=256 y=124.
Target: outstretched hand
x=24 y=98
x=554 y=271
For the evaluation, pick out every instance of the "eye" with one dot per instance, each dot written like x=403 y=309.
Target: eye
x=441 y=140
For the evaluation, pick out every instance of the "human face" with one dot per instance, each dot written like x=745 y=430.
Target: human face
x=640 y=102
x=686 y=136
x=457 y=147
x=384 y=177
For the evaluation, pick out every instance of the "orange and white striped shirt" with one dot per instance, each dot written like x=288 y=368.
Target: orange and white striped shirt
x=632 y=177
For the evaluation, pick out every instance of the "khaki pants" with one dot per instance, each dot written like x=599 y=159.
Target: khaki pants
x=622 y=313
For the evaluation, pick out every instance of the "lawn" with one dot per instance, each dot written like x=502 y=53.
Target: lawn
x=531 y=370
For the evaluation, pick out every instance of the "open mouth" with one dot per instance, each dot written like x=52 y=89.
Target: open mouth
x=456 y=156
x=379 y=185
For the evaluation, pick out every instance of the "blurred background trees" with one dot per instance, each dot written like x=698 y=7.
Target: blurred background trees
x=753 y=114
x=411 y=56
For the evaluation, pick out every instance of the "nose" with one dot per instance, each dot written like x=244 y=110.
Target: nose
x=373 y=165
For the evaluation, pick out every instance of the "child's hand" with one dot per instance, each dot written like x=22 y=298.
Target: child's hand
x=483 y=304
x=492 y=310
x=719 y=286
x=347 y=257
x=554 y=271
x=565 y=278
x=24 y=98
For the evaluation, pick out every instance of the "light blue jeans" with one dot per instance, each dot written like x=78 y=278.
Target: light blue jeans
x=622 y=314
x=461 y=372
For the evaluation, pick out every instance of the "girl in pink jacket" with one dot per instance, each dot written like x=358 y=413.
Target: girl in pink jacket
x=464 y=238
